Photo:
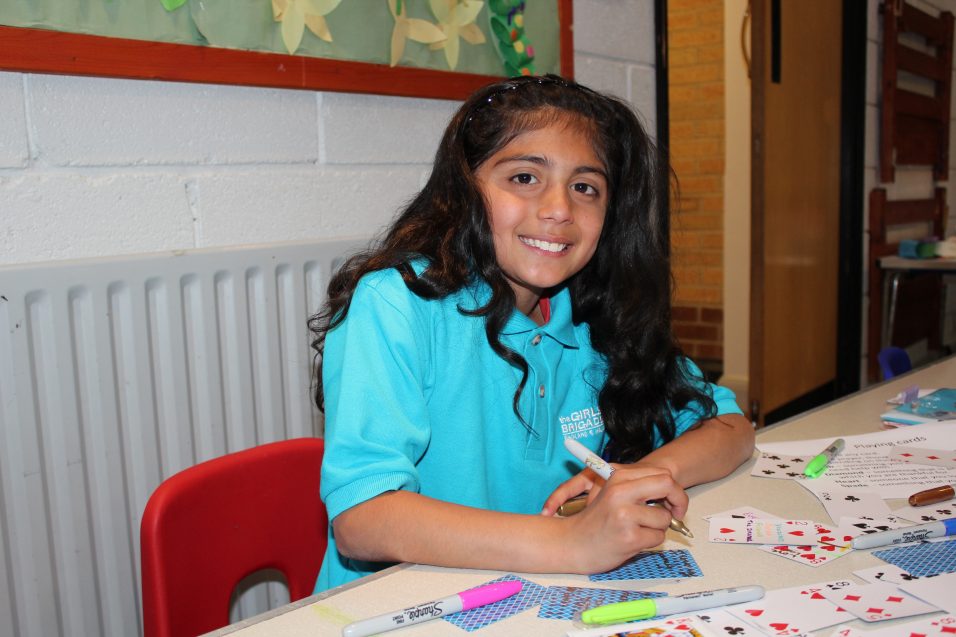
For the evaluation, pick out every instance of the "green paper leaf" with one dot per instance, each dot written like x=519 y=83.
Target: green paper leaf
x=172 y=5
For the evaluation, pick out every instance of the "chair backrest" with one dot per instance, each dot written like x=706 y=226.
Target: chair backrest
x=209 y=526
x=893 y=362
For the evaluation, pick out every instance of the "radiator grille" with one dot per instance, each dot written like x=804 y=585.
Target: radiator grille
x=115 y=374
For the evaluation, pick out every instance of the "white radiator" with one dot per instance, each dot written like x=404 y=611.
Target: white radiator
x=115 y=374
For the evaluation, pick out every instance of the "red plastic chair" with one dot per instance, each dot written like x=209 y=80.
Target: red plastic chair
x=209 y=526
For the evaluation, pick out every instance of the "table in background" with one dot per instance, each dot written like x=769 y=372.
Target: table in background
x=722 y=565
x=894 y=269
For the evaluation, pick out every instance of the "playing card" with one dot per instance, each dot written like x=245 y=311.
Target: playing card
x=878 y=602
x=886 y=573
x=925 y=558
x=916 y=455
x=722 y=622
x=672 y=564
x=780 y=466
x=810 y=555
x=845 y=503
x=793 y=611
x=758 y=531
x=470 y=620
x=868 y=525
x=945 y=625
x=937 y=591
x=743 y=512
x=932 y=513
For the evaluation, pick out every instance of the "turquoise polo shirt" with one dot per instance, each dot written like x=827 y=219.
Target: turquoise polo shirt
x=416 y=399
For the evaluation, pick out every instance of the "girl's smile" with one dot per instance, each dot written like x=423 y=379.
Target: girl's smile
x=546 y=195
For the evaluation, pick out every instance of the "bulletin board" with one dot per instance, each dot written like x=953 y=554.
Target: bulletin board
x=424 y=48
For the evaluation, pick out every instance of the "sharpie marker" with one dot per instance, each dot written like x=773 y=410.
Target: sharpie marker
x=603 y=469
x=622 y=612
x=906 y=534
x=820 y=461
x=465 y=600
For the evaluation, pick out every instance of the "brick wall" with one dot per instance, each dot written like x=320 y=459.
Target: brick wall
x=696 y=95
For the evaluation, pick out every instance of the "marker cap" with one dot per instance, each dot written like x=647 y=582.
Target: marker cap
x=932 y=496
x=475 y=597
x=816 y=466
x=620 y=612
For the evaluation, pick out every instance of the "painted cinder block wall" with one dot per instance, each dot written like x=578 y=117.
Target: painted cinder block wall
x=95 y=167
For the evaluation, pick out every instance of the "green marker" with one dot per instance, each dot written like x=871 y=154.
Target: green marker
x=622 y=612
x=819 y=463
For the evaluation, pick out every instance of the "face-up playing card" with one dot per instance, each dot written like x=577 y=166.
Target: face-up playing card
x=743 y=512
x=722 y=622
x=780 y=466
x=567 y=602
x=931 y=513
x=916 y=455
x=869 y=525
x=878 y=602
x=793 y=611
x=530 y=595
x=945 y=625
x=844 y=503
x=758 y=531
x=885 y=573
x=809 y=555
x=937 y=590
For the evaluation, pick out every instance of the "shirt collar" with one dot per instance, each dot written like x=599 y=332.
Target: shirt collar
x=559 y=327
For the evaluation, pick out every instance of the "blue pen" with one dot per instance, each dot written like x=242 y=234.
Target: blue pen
x=907 y=534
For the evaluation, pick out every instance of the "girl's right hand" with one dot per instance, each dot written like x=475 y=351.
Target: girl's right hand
x=617 y=523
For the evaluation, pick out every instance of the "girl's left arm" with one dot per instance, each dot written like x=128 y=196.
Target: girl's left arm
x=707 y=451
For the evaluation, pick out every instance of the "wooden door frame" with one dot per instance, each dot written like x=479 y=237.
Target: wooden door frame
x=850 y=263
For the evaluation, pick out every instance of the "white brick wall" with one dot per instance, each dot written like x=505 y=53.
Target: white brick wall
x=94 y=167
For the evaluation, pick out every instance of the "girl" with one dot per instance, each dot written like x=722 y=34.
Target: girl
x=523 y=297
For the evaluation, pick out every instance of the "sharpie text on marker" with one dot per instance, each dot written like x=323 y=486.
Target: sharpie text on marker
x=465 y=600
x=906 y=534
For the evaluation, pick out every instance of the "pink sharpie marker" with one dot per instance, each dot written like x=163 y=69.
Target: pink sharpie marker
x=465 y=600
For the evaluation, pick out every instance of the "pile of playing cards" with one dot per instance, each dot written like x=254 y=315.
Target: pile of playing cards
x=796 y=611
x=804 y=541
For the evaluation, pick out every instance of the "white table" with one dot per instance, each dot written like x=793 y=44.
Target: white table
x=405 y=585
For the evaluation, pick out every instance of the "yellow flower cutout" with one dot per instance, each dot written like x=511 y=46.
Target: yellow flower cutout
x=456 y=18
x=296 y=15
x=410 y=29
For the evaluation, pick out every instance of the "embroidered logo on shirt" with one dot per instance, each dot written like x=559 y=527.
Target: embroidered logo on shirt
x=582 y=423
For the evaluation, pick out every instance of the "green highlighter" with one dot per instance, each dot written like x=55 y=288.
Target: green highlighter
x=622 y=612
x=820 y=461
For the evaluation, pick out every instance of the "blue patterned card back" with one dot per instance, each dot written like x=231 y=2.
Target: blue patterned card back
x=924 y=559
x=471 y=620
x=674 y=564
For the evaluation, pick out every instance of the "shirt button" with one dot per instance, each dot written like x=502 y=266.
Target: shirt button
x=541 y=391
x=536 y=339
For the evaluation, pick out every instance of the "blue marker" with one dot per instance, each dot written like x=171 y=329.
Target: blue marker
x=906 y=534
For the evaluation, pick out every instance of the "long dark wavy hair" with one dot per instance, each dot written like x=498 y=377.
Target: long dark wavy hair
x=623 y=293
